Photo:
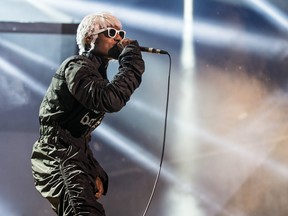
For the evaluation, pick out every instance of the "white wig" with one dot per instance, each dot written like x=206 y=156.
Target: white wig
x=91 y=24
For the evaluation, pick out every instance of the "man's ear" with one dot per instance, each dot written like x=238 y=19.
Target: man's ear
x=88 y=40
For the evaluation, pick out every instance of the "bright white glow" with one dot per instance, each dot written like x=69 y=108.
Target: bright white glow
x=187 y=52
x=267 y=9
x=147 y=160
x=6 y=208
x=52 y=13
x=27 y=54
x=205 y=32
x=232 y=38
x=185 y=205
x=274 y=14
x=248 y=145
x=10 y=69
x=158 y=23
x=230 y=145
x=147 y=108
x=133 y=150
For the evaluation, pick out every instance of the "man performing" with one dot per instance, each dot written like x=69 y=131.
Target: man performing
x=63 y=166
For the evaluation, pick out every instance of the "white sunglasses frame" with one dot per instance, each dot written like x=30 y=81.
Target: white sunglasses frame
x=108 y=29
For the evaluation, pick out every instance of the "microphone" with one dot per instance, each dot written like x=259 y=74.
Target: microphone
x=153 y=50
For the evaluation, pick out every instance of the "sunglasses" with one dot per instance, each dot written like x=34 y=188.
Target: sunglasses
x=112 y=32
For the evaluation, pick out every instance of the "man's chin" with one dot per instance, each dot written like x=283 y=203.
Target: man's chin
x=114 y=52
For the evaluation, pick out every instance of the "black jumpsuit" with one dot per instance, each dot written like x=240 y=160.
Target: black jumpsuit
x=79 y=95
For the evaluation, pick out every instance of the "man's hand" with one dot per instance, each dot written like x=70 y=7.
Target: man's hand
x=124 y=42
x=116 y=50
x=99 y=186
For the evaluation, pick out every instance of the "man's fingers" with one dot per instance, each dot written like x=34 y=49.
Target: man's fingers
x=100 y=189
x=124 y=42
x=98 y=195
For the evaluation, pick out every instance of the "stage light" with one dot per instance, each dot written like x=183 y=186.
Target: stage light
x=205 y=31
x=27 y=53
x=133 y=150
x=269 y=11
x=186 y=202
x=55 y=15
x=17 y=73
x=266 y=8
x=187 y=50
x=7 y=209
x=157 y=23
x=237 y=39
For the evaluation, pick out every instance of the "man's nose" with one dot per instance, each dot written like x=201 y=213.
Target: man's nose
x=118 y=37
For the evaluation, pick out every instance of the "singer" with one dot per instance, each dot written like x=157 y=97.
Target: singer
x=64 y=169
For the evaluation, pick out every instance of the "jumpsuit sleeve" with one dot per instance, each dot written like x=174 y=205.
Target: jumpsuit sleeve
x=95 y=93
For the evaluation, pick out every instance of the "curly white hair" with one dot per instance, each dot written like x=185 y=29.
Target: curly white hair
x=91 y=24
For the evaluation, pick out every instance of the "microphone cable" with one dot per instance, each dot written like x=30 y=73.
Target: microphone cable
x=164 y=137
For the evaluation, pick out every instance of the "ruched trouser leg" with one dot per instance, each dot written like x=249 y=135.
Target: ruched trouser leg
x=66 y=177
x=78 y=197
